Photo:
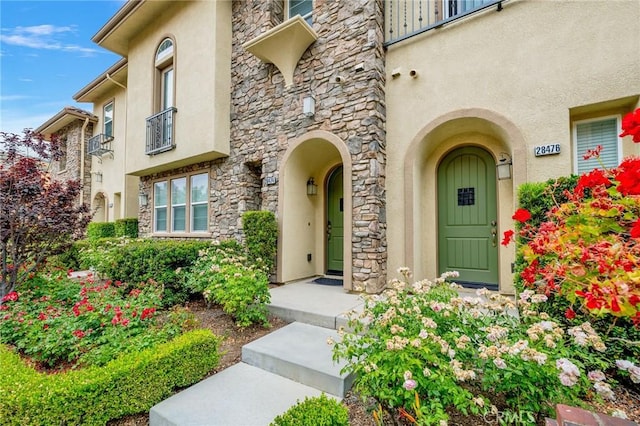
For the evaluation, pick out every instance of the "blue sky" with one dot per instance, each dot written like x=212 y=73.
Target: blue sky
x=46 y=56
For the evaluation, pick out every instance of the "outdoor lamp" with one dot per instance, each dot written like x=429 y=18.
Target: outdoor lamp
x=309 y=106
x=312 y=188
x=504 y=166
x=143 y=199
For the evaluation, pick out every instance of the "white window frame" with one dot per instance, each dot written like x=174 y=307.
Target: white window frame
x=308 y=17
x=104 y=119
x=577 y=157
x=169 y=206
x=165 y=64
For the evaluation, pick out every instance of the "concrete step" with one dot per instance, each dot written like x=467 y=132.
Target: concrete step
x=300 y=352
x=324 y=306
x=241 y=395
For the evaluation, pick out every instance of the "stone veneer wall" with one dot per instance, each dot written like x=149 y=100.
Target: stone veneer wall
x=265 y=115
x=72 y=134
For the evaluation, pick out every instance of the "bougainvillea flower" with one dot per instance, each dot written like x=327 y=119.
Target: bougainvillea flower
x=508 y=237
x=628 y=176
x=570 y=313
x=521 y=215
x=593 y=153
x=631 y=125
x=635 y=229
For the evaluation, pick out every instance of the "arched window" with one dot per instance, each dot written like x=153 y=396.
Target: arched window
x=166 y=76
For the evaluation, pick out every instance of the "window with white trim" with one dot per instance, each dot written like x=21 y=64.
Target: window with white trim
x=588 y=134
x=107 y=118
x=181 y=204
x=165 y=67
x=303 y=8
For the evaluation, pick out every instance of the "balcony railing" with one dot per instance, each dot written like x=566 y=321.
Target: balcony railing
x=99 y=145
x=406 y=18
x=160 y=132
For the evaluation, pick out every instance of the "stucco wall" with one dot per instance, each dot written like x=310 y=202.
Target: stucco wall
x=527 y=71
x=202 y=36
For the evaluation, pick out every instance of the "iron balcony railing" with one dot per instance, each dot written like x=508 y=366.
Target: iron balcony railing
x=99 y=145
x=160 y=132
x=407 y=18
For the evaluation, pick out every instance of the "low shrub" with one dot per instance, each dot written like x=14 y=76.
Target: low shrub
x=131 y=384
x=424 y=342
x=261 y=236
x=97 y=230
x=53 y=320
x=127 y=227
x=318 y=411
x=226 y=277
x=141 y=260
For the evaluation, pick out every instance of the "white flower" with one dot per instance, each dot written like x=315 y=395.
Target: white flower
x=499 y=362
x=634 y=371
x=596 y=376
x=624 y=364
x=426 y=372
x=604 y=390
x=407 y=375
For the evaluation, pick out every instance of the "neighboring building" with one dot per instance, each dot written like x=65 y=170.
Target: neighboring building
x=72 y=127
x=372 y=129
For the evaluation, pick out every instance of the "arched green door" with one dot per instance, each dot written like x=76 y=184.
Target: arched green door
x=335 y=223
x=467 y=217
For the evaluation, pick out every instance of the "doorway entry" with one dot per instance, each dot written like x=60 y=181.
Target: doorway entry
x=467 y=217
x=335 y=222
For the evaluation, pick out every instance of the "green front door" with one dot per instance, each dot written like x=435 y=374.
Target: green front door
x=467 y=227
x=335 y=222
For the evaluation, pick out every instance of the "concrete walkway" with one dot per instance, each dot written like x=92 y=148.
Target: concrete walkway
x=277 y=370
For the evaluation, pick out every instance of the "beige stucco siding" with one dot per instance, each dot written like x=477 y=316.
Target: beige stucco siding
x=202 y=36
x=527 y=72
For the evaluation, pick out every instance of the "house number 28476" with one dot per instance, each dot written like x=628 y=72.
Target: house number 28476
x=547 y=149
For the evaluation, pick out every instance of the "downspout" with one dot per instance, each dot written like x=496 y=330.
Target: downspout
x=82 y=158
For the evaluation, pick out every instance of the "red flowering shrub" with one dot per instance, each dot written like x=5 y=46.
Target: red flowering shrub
x=56 y=320
x=588 y=250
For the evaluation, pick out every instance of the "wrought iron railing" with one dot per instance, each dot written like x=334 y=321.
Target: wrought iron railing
x=99 y=145
x=407 y=18
x=160 y=132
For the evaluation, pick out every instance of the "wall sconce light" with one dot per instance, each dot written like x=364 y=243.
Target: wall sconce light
x=312 y=188
x=143 y=199
x=503 y=167
x=309 y=106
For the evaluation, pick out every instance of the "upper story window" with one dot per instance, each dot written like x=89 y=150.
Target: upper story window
x=164 y=61
x=107 y=118
x=303 y=8
x=588 y=134
x=181 y=204
x=456 y=7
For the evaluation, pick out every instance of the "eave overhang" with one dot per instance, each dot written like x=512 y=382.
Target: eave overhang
x=116 y=75
x=63 y=118
x=283 y=45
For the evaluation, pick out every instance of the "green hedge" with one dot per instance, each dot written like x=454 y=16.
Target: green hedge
x=261 y=235
x=96 y=230
x=128 y=385
x=127 y=227
x=318 y=411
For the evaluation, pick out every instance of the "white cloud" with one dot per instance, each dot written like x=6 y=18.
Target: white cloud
x=43 y=37
x=26 y=80
x=15 y=123
x=8 y=98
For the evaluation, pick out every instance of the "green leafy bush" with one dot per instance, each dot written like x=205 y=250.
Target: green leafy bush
x=131 y=384
x=55 y=320
x=127 y=227
x=468 y=353
x=261 y=235
x=141 y=260
x=225 y=276
x=97 y=230
x=318 y=411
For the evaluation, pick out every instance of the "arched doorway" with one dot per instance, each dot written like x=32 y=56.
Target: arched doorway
x=99 y=206
x=335 y=222
x=467 y=217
